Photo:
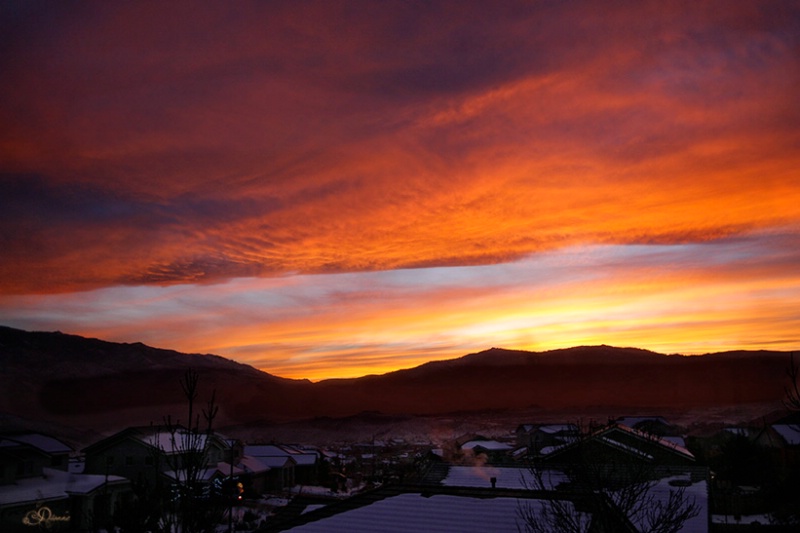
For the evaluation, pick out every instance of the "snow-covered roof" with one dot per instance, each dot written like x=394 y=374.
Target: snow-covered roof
x=263 y=450
x=549 y=428
x=520 y=452
x=40 y=442
x=253 y=465
x=277 y=462
x=662 y=441
x=558 y=428
x=523 y=478
x=305 y=459
x=312 y=507
x=677 y=441
x=221 y=469
x=633 y=421
x=547 y=450
x=789 y=432
x=740 y=432
x=53 y=485
x=491 y=445
x=177 y=442
x=413 y=512
x=301 y=457
x=630 y=449
x=505 y=477
x=606 y=435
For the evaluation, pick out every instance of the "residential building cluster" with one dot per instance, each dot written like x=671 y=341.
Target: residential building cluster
x=471 y=483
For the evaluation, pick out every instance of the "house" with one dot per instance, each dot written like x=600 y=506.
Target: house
x=291 y=465
x=493 y=451
x=150 y=452
x=541 y=438
x=619 y=444
x=654 y=425
x=465 y=500
x=37 y=488
x=154 y=454
x=788 y=443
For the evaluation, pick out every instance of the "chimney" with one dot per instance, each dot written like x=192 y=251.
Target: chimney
x=494 y=482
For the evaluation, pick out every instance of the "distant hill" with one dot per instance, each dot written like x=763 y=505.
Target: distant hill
x=93 y=383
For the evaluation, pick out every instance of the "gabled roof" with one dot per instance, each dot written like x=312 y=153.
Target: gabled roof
x=606 y=434
x=177 y=442
x=737 y=431
x=54 y=485
x=633 y=421
x=678 y=441
x=789 y=432
x=547 y=428
x=278 y=462
x=221 y=469
x=169 y=442
x=301 y=457
x=558 y=428
x=253 y=465
x=491 y=445
x=134 y=432
x=43 y=443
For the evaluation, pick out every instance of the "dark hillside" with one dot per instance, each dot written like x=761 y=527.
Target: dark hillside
x=92 y=383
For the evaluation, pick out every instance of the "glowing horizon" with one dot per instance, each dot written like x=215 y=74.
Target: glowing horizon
x=331 y=192
x=616 y=295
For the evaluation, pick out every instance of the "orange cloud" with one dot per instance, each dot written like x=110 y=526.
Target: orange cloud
x=163 y=151
x=732 y=294
x=293 y=147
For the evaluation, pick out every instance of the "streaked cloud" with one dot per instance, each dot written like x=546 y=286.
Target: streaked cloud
x=687 y=299
x=168 y=156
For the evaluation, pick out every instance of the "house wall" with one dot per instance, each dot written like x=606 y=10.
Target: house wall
x=128 y=458
x=94 y=511
x=20 y=462
x=306 y=474
x=278 y=479
x=217 y=452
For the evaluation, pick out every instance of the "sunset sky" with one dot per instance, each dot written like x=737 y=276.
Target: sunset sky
x=332 y=189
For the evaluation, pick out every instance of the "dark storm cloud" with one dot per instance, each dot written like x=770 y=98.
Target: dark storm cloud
x=48 y=225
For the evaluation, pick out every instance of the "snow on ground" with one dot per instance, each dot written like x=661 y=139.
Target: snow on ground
x=751 y=519
x=696 y=492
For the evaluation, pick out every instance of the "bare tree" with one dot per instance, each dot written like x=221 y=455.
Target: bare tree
x=604 y=492
x=185 y=448
x=784 y=488
x=792 y=391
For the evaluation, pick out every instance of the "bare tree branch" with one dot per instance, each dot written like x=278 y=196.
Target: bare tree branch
x=617 y=495
x=792 y=391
